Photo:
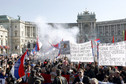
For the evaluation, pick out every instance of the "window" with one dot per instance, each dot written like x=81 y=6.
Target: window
x=119 y=32
x=15 y=26
x=16 y=33
x=28 y=45
x=15 y=47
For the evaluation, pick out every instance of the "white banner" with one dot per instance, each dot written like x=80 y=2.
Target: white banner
x=112 y=54
x=81 y=52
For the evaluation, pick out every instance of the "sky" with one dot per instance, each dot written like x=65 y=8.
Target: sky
x=63 y=11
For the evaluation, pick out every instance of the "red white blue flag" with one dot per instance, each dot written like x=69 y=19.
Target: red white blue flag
x=56 y=45
x=33 y=51
x=17 y=70
x=97 y=40
x=38 y=45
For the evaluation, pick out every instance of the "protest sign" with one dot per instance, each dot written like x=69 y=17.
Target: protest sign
x=112 y=54
x=81 y=52
x=64 y=47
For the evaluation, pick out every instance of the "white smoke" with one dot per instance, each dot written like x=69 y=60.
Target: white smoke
x=48 y=34
x=54 y=34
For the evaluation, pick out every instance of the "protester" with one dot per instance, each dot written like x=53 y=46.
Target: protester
x=81 y=78
x=33 y=78
x=37 y=72
x=59 y=79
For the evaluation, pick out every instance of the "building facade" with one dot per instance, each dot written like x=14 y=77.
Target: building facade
x=106 y=30
x=3 y=40
x=20 y=34
x=90 y=29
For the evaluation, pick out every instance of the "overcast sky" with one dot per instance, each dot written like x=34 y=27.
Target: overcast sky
x=63 y=11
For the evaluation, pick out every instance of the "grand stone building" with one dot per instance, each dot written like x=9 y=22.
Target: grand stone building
x=21 y=34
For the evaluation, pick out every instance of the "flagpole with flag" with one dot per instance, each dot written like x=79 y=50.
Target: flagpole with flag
x=125 y=35
x=38 y=45
x=17 y=70
x=113 y=40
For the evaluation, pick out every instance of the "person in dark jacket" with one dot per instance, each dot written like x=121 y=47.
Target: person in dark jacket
x=81 y=78
x=33 y=77
x=59 y=79
x=89 y=72
x=117 y=78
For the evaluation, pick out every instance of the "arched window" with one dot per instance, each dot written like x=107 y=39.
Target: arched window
x=15 y=33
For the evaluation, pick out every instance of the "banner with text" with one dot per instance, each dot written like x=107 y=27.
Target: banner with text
x=112 y=54
x=81 y=52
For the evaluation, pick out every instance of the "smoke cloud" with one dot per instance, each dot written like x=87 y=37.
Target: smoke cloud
x=54 y=34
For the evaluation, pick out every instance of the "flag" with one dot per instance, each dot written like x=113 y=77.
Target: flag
x=56 y=45
x=17 y=70
x=113 y=39
x=38 y=45
x=98 y=52
x=92 y=48
x=27 y=56
x=33 y=51
x=78 y=66
x=97 y=40
x=125 y=36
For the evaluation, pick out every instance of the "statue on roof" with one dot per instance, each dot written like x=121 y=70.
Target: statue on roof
x=86 y=12
x=19 y=17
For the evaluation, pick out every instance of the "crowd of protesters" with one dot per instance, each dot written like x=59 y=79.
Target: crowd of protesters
x=61 y=71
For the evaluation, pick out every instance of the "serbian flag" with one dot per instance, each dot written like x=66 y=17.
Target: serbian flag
x=56 y=45
x=17 y=70
x=97 y=40
x=33 y=51
x=38 y=45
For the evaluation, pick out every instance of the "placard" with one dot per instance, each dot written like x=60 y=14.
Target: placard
x=81 y=52
x=64 y=47
x=112 y=54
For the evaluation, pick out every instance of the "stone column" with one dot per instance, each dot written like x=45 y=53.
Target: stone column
x=26 y=31
x=31 y=31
